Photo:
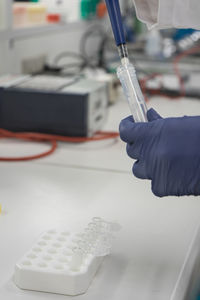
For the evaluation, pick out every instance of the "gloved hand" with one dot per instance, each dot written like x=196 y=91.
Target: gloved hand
x=167 y=152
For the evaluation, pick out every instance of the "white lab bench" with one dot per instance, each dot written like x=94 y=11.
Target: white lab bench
x=79 y=182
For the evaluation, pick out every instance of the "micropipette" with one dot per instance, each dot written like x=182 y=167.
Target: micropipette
x=126 y=71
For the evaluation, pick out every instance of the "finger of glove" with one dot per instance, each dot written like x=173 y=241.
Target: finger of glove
x=139 y=170
x=133 y=150
x=131 y=132
x=152 y=115
x=157 y=189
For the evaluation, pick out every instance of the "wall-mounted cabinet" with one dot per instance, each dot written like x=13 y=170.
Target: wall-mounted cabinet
x=20 y=41
x=20 y=20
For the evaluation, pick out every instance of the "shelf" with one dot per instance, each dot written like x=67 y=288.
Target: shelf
x=25 y=33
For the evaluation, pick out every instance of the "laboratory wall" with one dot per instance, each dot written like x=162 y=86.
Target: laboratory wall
x=4 y=57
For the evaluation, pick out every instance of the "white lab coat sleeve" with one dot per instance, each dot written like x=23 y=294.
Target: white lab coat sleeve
x=147 y=11
x=169 y=13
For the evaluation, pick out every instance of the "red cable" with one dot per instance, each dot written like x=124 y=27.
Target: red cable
x=31 y=157
x=52 y=139
x=176 y=61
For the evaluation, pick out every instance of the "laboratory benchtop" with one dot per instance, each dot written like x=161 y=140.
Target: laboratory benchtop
x=79 y=182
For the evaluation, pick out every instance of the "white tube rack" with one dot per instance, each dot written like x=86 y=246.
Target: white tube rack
x=46 y=267
x=65 y=263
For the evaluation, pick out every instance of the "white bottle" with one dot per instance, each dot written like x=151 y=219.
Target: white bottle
x=57 y=7
x=153 y=47
x=73 y=10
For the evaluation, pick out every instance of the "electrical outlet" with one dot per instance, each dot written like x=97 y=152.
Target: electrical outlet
x=34 y=64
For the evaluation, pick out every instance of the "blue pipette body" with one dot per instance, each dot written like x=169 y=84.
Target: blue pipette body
x=116 y=21
x=126 y=71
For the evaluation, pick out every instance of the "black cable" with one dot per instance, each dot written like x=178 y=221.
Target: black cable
x=96 y=59
x=78 y=64
x=68 y=54
x=72 y=69
x=84 y=59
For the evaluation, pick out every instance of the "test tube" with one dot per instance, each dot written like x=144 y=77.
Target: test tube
x=132 y=91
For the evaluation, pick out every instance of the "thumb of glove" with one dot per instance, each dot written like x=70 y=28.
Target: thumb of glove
x=152 y=115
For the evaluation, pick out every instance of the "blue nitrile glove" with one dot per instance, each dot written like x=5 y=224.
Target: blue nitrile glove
x=167 y=152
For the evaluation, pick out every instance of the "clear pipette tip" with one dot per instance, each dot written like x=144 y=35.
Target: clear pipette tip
x=131 y=88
